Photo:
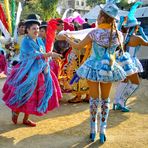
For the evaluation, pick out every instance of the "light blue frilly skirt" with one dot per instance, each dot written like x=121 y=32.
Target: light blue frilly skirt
x=90 y=70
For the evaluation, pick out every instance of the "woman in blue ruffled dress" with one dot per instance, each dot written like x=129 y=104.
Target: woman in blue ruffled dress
x=100 y=69
x=132 y=45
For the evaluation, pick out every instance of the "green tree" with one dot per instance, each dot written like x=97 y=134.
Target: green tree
x=123 y=4
x=93 y=3
x=44 y=8
x=49 y=8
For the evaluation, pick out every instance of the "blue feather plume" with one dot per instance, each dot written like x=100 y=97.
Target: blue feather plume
x=131 y=14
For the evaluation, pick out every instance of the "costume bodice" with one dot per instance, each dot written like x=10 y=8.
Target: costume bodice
x=98 y=51
x=101 y=39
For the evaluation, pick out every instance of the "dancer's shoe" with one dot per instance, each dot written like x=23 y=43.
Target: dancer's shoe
x=116 y=106
x=92 y=136
x=29 y=123
x=125 y=109
x=122 y=108
x=102 y=138
x=14 y=117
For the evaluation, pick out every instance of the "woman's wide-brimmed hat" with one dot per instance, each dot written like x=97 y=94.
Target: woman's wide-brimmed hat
x=111 y=10
x=132 y=23
x=33 y=18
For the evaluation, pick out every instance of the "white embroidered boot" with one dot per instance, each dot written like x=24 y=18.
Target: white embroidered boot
x=130 y=89
x=121 y=86
x=93 y=117
x=103 y=119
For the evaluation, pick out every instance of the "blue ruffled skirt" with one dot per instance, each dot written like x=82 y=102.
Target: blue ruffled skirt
x=137 y=64
x=91 y=68
x=126 y=63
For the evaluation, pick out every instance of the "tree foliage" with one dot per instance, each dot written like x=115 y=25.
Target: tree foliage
x=123 y=4
x=44 y=8
x=93 y=3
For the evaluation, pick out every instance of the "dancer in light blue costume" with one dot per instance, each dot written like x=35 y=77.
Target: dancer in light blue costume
x=132 y=45
x=100 y=69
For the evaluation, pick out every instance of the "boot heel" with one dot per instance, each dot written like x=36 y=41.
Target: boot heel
x=92 y=137
x=102 y=138
x=125 y=109
x=114 y=106
x=118 y=106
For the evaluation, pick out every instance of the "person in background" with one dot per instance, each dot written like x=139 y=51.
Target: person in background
x=132 y=45
x=86 y=25
x=42 y=32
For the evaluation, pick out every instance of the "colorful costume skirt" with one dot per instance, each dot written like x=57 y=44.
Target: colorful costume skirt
x=137 y=64
x=30 y=107
x=54 y=67
x=126 y=63
x=90 y=70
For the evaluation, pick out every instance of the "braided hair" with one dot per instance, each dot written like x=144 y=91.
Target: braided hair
x=128 y=36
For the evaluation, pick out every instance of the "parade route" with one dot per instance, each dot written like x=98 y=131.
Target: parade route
x=68 y=126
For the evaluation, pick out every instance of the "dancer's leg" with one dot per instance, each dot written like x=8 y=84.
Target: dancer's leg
x=120 y=87
x=105 y=91
x=94 y=102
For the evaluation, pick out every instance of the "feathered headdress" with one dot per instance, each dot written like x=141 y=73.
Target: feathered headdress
x=132 y=21
x=133 y=9
x=50 y=34
x=3 y=17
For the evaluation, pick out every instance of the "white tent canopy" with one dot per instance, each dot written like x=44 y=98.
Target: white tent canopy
x=93 y=13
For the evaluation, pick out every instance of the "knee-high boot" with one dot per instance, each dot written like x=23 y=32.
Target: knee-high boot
x=103 y=119
x=93 y=117
x=121 y=86
x=128 y=91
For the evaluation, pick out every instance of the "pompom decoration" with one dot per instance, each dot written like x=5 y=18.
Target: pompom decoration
x=126 y=63
x=106 y=67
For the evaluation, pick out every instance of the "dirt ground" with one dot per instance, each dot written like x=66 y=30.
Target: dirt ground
x=68 y=126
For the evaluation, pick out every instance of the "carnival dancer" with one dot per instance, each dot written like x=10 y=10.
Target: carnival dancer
x=101 y=69
x=30 y=88
x=132 y=45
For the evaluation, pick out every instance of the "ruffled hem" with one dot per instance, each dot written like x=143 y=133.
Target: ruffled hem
x=130 y=69
x=126 y=63
x=137 y=64
x=93 y=74
x=30 y=107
